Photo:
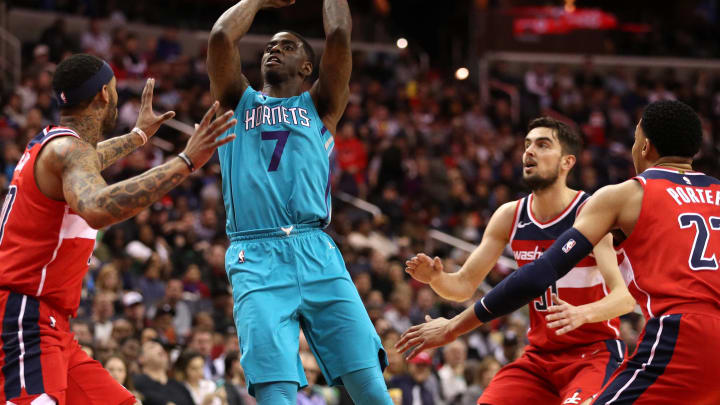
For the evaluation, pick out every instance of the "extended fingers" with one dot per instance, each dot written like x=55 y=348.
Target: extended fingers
x=223 y=141
x=208 y=115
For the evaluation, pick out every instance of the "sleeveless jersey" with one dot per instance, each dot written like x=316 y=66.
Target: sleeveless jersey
x=582 y=285
x=674 y=247
x=44 y=246
x=277 y=171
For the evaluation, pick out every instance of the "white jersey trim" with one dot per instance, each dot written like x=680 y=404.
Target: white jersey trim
x=565 y=213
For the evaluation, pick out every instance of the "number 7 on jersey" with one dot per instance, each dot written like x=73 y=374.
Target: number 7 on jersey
x=281 y=137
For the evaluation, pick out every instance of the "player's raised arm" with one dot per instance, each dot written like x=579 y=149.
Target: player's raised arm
x=331 y=91
x=227 y=83
x=461 y=285
x=566 y=317
x=76 y=163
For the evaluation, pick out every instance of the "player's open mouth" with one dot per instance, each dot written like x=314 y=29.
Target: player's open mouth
x=273 y=60
x=529 y=165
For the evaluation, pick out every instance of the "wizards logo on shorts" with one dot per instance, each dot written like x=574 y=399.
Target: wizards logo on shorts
x=569 y=245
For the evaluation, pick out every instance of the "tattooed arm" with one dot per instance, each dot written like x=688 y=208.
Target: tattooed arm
x=114 y=149
x=85 y=191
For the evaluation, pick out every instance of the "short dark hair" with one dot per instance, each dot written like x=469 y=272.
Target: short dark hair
x=309 y=51
x=569 y=139
x=73 y=72
x=673 y=127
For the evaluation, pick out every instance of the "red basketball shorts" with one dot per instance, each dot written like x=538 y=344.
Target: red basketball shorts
x=677 y=361
x=558 y=377
x=42 y=364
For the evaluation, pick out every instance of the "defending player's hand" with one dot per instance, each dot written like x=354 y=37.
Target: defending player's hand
x=424 y=269
x=147 y=120
x=203 y=143
x=278 y=3
x=432 y=333
x=565 y=316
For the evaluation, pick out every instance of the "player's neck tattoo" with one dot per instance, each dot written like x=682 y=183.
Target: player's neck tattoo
x=88 y=128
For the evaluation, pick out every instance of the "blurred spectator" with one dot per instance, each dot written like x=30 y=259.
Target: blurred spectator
x=452 y=373
x=182 y=316
x=309 y=395
x=102 y=314
x=96 y=41
x=200 y=341
x=189 y=371
x=118 y=369
x=478 y=375
x=234 y=381
x=415 y=385
x=153 y=383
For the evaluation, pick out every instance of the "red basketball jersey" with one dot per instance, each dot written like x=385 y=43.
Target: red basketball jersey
x=582 y=285
x=674 y=249
x=44 y=247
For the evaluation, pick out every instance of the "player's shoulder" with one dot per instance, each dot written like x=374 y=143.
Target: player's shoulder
x=507 y=211
x=502 y=220
x=66 y=150
x=626 y=189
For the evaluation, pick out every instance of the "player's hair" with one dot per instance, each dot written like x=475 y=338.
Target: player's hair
x=73 y=72
x=309 y=51
x=673 y=127
x=569 y=139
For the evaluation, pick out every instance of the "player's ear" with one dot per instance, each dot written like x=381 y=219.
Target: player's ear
x=568 y=161
x=105 y=94
x=306 y=69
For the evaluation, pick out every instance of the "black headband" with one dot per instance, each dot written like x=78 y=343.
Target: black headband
x=87 y=90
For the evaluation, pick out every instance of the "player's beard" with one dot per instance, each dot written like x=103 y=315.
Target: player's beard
x=110 y=118
x=537 y=182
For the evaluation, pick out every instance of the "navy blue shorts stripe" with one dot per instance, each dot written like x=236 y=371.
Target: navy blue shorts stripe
x=32 y=367
x=617 y=354
x=11 y=346
x=653 y=355
x=31 y=340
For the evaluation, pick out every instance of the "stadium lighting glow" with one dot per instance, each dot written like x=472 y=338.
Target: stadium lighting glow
x=402 y=43
x=462 y=73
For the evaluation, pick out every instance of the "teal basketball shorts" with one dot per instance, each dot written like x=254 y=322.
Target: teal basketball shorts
x=291 y=278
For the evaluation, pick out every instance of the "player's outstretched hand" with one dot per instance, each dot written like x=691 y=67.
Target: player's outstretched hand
x=147 y=120
x=203 y=143
x=424 y=269
x=432 y=333
x=278 y=3
x=565 y=316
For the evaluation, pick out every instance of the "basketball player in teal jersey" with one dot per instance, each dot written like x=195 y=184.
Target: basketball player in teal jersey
x=286 y=273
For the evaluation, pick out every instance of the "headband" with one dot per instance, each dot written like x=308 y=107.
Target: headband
x=87 y=90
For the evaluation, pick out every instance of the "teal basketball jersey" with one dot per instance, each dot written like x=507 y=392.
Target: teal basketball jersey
x=276 y=172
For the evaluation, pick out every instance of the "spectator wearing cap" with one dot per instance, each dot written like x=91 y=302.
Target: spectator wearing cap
x=134 y=309
x=182 y=316
x=163 y=324
x=415 y=385
x=153 y=383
